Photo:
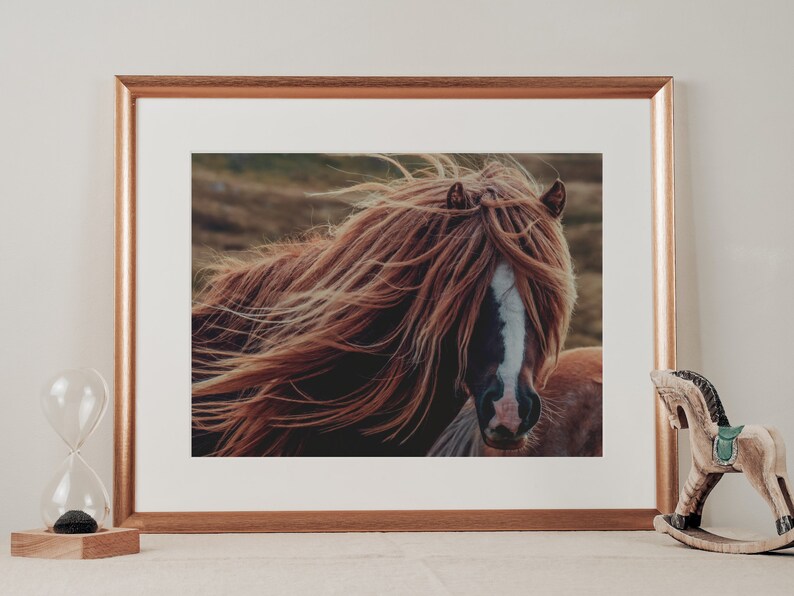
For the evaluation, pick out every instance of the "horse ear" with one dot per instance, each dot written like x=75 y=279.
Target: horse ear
x=456 y=197
x=554 y=198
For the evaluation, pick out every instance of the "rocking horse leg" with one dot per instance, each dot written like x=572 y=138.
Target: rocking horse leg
x=767 y=485
x=786 y=523
x=785 y=487
x=693 y=519
x=688 y=501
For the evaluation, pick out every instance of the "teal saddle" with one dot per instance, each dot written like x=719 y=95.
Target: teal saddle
x=725 y=447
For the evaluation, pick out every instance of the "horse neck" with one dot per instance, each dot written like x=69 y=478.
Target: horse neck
x=698 y=420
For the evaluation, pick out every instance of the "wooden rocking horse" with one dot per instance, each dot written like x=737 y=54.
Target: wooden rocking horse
x=692 y=402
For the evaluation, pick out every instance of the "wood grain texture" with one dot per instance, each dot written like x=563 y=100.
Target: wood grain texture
x=705 y=540
x=757 y=451
x=393 y=521
x=658 y=90
x=664 y=285
x=45 y=544
x=125 y=264
x=396 y=87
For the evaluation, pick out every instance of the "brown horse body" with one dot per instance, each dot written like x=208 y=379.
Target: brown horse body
x=570 y=425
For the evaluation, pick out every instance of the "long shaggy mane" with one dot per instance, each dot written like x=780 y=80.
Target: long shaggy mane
x=388 y=291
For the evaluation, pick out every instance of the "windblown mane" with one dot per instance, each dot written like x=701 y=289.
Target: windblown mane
x=384 y=295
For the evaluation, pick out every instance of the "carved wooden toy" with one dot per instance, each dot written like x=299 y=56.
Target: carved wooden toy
x=692 y=402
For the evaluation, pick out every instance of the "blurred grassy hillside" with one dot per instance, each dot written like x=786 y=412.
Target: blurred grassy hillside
x=246 y=200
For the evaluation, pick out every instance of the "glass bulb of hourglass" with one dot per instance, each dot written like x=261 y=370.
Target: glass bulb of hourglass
x=74 y=487
x=74 y=402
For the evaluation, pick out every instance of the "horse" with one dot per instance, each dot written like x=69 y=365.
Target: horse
x=571 y=423
x=449 y=282
x=692 y=402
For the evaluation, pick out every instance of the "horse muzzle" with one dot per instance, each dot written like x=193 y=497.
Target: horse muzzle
x=513 y=417
x=502 y=439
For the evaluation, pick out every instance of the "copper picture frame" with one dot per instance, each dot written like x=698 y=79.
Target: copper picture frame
x=658 y=91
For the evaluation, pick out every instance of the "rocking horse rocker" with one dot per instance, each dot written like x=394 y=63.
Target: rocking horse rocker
x=692 y=402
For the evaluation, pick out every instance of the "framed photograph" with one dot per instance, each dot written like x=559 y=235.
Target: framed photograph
x=384 y=304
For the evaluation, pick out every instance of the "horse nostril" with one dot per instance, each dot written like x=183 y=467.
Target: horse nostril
x=524 y=406
x=491 y=396
x=494 y=390
x=528 y=408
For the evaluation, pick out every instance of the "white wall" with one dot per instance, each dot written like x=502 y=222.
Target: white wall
x=734 y=152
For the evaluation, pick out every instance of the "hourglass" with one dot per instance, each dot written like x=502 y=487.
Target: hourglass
x=75 y=500
x=75 y=504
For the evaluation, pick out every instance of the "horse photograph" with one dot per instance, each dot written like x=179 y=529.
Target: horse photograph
x=433 y=305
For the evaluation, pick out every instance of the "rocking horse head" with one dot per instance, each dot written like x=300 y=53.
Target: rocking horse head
x=450 y=282
x=686 y=393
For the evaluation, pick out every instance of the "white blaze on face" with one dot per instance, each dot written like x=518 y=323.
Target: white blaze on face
x=511 y=311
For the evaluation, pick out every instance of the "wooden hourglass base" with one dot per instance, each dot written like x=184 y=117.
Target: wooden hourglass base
x=46 y=544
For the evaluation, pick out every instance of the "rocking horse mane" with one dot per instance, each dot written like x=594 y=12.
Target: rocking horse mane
x=397 y=283
x=709 y=392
